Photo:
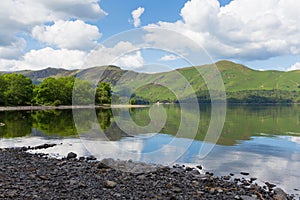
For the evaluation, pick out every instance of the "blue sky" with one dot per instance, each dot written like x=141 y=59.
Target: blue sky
x=149 y=35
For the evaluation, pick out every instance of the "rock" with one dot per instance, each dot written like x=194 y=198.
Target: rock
x=194 y=172
x=245 y=197
x=199 y=167
x=71 y=155
x=110 y=184
x=189 y=169
x=177 y=189
x=43 y=177
x=33 y=176
x=279 y=194
x=245 y=173
x=102 y=165
x=73 y=182
x=219 y=190
x=81 y=158
x=141 y=177
x=270 y=185
x=212 y=190
x=253 y=179
x=91 y=157
x=177 y=170
x=195 y=183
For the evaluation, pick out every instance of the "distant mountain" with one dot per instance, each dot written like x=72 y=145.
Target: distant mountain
x=242 y=83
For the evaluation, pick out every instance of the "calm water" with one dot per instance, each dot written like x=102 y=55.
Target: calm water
x=262 y=140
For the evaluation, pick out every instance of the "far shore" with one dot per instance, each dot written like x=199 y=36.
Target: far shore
x=12 y=108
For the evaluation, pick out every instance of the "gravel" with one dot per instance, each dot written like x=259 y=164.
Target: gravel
x=37 y=176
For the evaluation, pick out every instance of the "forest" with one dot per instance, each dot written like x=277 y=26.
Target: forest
x=18 y=90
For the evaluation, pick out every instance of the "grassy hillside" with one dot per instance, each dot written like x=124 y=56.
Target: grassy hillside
x=241 y=83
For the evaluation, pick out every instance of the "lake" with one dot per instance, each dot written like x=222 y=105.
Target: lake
x=263 y=140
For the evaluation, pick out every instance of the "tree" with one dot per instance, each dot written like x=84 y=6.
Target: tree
x=54 y=91
x=19 y=90
x=2 y=90
x=83 y=93
x=103 y=93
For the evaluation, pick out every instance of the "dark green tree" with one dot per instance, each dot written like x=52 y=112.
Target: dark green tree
x=54 y=91
x=18 y=91
x=2 y=90
x=83 y=93
x=103 y=93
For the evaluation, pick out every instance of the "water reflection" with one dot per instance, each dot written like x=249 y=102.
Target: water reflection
x=263 y=140
x=242 y=122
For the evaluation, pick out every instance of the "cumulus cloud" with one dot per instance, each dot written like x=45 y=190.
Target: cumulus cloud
x=242 y=29
x=81 y=9
x=133 y=60
x=68 y=34
x=19 y=18
x=46 y=57
x=136 y=14
x=14 y=50
x=295 y=66
x=169 y=57
x=122 y=54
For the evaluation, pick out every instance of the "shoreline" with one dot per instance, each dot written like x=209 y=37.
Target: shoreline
x=38 y=176
x=105 y=106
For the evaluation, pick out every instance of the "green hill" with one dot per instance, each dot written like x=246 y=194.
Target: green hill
x=242 y=84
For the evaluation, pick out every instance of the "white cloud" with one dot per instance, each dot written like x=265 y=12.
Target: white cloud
x=123 y=54
x=133 y=60
x=47 y=57
x=68 y=34
x=136 y=14
x=14 y=50
x=295 y=66
x=169 y=57
x=81 y=9
x=19 y=18
x=242 y=29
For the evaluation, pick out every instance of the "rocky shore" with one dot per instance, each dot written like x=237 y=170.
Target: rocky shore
x=37 y=176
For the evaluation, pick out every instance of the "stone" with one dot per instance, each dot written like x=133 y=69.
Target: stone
x=110 y=184
x=195 y=183
x=91 y=157
x=253 y=179
x=102 y=165
x=71 y=155
x=270 y=185
x=279 y=194
x=199 y=167
x=245 y=197
x=189 y=169
x=219 y=190
x=212 y=190
x=141 y=177
x=177 y=189
x=245 y=173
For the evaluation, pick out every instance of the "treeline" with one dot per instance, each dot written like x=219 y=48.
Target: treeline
x=255 y=96
x=17 y=90
x=245 y=96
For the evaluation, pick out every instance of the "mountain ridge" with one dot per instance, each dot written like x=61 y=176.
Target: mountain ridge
x=241 y=82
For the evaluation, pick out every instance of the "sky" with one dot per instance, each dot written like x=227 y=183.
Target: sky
x=149 y=35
